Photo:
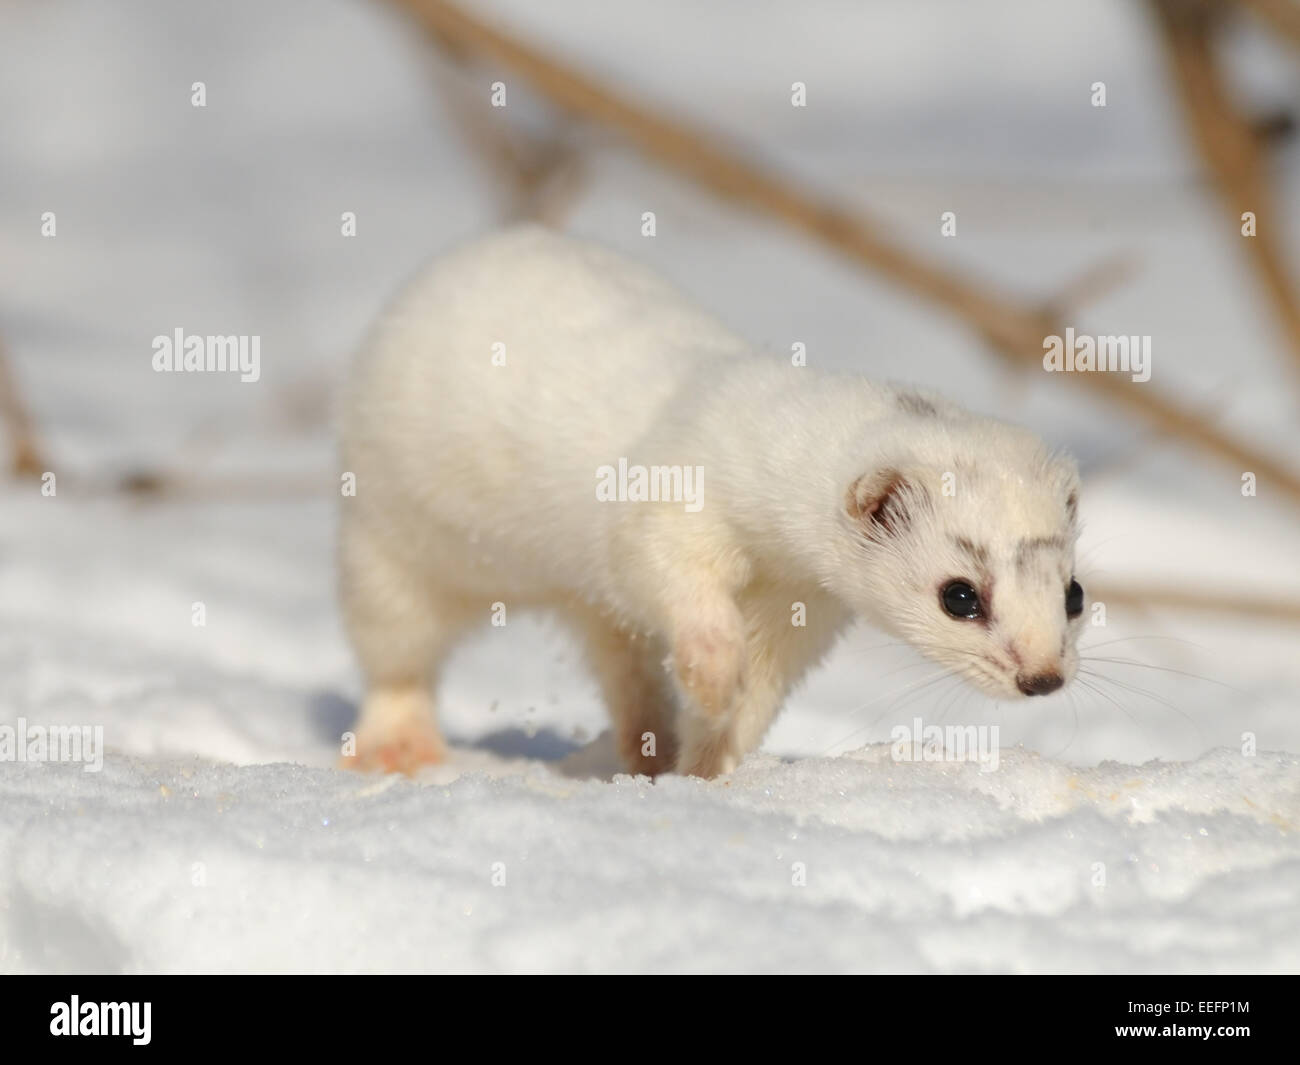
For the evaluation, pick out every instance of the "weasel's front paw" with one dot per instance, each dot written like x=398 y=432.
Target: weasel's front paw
x=710 y=665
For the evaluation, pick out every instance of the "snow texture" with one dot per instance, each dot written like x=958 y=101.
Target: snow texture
x=1130 y=824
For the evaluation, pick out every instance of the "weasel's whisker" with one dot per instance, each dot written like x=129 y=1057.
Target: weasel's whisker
x=1074 y=731
x=906 y=695
x=1137 y=690
x=886 y=646
x=905 y=668
x=904 y=690
x=1118 y=705
x=1162 y=669
x=950 y=700
x=1127 y=639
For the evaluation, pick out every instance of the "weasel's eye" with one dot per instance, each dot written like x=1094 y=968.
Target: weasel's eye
x=1074 y=600
x=961 y=600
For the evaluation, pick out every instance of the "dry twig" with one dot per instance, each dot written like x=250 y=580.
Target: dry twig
x=25 y=455
x=1282 y=16
x=1157 y=597
x=540 y=175
x=1230 y=146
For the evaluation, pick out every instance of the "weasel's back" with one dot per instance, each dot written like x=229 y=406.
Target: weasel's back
x=524 y=358
x=578 y=334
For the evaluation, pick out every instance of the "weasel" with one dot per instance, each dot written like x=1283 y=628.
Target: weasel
x=538 y=422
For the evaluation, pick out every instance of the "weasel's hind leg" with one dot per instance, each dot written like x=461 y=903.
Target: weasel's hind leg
x=638 y=692
x=402 y=631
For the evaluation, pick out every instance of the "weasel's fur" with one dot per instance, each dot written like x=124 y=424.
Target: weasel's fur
x=476 y=484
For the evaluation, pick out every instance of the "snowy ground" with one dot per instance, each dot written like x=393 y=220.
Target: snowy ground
x=1124 y=829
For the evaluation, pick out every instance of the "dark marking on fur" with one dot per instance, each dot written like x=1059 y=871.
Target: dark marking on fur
x=1072 y=506
x=915 y=403
x=979 y=554
x=1026 y=549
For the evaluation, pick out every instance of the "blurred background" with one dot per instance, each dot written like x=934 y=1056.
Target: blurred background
x=227 y=218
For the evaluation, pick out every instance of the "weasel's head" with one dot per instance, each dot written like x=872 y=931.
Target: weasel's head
x=965 y=548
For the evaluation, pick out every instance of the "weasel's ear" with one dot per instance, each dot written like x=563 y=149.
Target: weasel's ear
x=876 y=501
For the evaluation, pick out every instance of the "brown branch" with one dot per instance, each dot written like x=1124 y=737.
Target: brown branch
x=152 y=486
x=1282 y=16
x=1155 y=597
x=1093 y=284
x=1015 y=330
x=540 y=175
x=25 y=455
x=1230 y=148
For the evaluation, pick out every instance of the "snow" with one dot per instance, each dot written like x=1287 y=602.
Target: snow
x=1150 y=825
x=172 y=865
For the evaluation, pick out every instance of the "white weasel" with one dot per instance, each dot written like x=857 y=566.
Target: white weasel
x=482 y=421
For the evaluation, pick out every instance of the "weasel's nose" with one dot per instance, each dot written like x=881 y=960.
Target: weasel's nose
x=1040 y=683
